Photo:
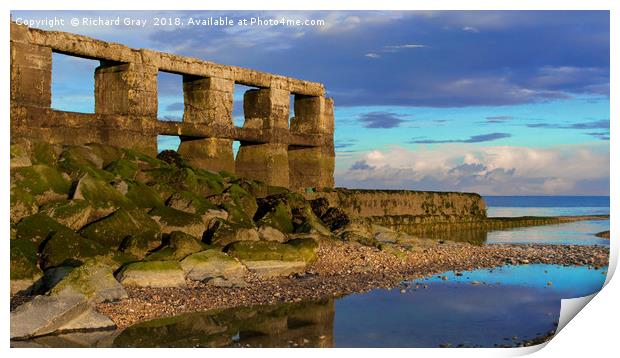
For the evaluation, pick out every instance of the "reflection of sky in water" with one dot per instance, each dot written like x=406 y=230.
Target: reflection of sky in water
x=514 y=211
x=455 y=311
x=575 y=233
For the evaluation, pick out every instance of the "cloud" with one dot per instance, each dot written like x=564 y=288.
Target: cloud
x=372 y=55
x=381 y=119
x=344 y=143
x=498 y=119
x=177 y=106
x=600 y=124
x=470 y=29
x=599 y=135
x=473 y=139
x=499 y=170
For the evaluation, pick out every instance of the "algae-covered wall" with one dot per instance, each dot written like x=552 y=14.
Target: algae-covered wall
x=367 y=203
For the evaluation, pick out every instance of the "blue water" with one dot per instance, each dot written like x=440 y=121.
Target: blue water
x=511 y=301
x=575 y=233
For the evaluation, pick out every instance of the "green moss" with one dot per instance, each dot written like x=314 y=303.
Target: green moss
x=77 y=160
x=143 y=196
x=177 y=246
x=43 y=153
x=37 y=228
x=240 y=205
x=173 y=217
x=144 y=160
x=279 y=217
x=113 y=229
x=123 y=168
x=22 y=204
x=151 y=266
x=24 y=260
x=189 y=202
x=40 y=178
x=107 y=153
x=100 y=194
x=68 y=212
x=294 y=250
x=305 y=221
x=66 y=248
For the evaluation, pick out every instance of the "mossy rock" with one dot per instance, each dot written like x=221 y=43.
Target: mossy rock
x=171 y=219
x=189 y=202
x=275 y=212
x=38 y=228
x=66 y=248
x=222 y=232
x=177 y=178
x=113 y=229
x=143 y=196
x=23 y=204
x=24 y=260
x=20 y=155
x=210 y=183
x=44 y=153
x=142 y=160
x=107 y=153
x=177 y=245
x=94 y=279
x=123 y=168
x=294 y=250
x=240 y=205
x=99 y=193
x=305 y=221
x=152 y=274
x=39 y=179
x=74 y=214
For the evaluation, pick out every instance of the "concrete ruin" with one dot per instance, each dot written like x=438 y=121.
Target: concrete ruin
x=297 y=155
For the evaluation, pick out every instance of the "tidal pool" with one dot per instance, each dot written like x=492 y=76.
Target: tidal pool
x=480 y=308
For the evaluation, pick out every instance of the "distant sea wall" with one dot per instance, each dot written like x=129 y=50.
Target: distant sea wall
x=359 y=203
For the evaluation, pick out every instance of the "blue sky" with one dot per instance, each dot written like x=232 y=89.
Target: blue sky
x=512 y=102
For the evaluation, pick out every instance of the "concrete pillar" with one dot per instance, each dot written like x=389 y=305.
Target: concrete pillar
x=312 y=167
x=31 y=70
x=129 y=90
x=266 y=109
x=209 y=101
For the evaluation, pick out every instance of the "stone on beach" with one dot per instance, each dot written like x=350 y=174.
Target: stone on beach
x=152 y=274
x=213 y=265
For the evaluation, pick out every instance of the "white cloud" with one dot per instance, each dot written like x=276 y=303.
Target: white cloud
x=372 y=55
x=507 y=170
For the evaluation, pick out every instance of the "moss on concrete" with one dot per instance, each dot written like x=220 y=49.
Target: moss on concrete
x=294 y=250
x=113 y=229
x=24 y=260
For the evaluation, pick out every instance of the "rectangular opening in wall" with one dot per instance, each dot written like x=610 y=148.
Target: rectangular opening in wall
x=238 y=114
x=291 y=109
x=170 y=103
x=235 y=147
x=73 y=83
x=168 y=142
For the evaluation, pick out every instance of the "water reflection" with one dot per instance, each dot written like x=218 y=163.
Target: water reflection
x=482 y=308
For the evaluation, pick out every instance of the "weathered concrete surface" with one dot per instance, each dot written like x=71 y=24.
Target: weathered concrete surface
x=366 y=203
x=126 y=109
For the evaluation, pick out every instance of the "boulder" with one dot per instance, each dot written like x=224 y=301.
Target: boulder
x=89 y=320
x=215 y=267
x=43 y=182
x=268 y=233
x=20 y=156
x=294 y=250
x=170 y=220
x=24 y=271
x=176 y=246
x=45 y=153
x=305 y=221
x=189 y=202
x=277 y=216
x=99 y=193
x=240 y=205
x=38 y=228
x=74 y=214
x=319 y=206
x=66 y=248
x=46 y=314
x=112 y=230
x=221 y=233
x=273 y=268
x=50 y=278
x=78 y=160
x=142 y=195
x=152 y=274
x=335 y=218
x=23 y=204
x=94 y=279
x=123 y=168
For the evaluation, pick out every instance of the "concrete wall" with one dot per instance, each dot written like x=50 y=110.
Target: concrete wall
x=359 y=203
x=126 y=109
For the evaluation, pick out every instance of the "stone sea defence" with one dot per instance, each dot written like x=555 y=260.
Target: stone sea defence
x=295 y=152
